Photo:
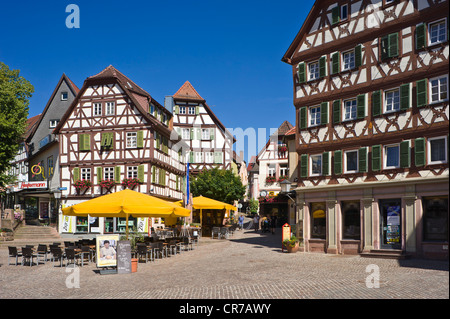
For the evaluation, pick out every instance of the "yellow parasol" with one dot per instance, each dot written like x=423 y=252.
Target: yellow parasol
x=124 y=204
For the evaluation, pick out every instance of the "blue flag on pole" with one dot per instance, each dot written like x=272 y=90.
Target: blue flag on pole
x=187 y=184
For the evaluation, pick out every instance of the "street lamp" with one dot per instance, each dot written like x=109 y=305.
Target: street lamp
x=286 y=190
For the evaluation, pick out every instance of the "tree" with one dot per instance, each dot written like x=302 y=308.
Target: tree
x=254 y=204
x=221 y=185
x=15 y=92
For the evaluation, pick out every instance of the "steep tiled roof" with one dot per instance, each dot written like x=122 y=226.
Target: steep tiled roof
x=290 y=132
x=284 y=128
x=187 y=91
x=31 y=122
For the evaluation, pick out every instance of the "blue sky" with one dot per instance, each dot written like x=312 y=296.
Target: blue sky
x=230 y=51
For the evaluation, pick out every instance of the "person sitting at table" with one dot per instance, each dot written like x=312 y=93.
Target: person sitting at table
x=107 y=252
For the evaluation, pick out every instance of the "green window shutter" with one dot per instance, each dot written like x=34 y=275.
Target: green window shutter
x=140 y=139
x=358 y=56
x=337 y=112
x=304 y=165
x=76 y=174
x=153 y=174
x=419 y=151
x=393 y=45
x=376 y=103
x=191 y=157
x=111 y=140
x=178 y=183
x=421 y=36
x=157 y=140
x=325 y=163
x=218 y=158
x=117 y=174
x=141 y=173
x=405 y=155
x=301 y=73
x=384 y=47
x=324 y=113
x=422 y=96
x=103 y=142
x=338 y=162
x=99 y=174
x=177 y=109
x=361 y=106
x=192 y=133
x=362 y=155
x=84 y=142
x=376 y=157
x=335 y=63
x=335 y=15
x=198 y=134
x=197 y=110
x=322 y=67
x=211 y=134
x=404 y=96
x=303 y=117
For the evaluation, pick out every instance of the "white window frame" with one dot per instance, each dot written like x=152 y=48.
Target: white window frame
x=110 y=108
x=198 y=157
x=311 y=158
x=182 y=110
x=438 y=22
x=342 y=18
x=53 y=123
x=314 y=120
x=131 y=139
x=66 y=97
x=354 y=106
x=97 y=109
x=85 y=174
x=385 y=154
x=108 y=173
x=185 y=133
x=132 y=172
x=284 y=170
x=271 y=171
x=385 y=100
x=191 y=110
x=430 y=89
x=209 y=157
x=352 y=63
x=429 y=161
x=315 y=72
x=351 y=171
x=205 y=134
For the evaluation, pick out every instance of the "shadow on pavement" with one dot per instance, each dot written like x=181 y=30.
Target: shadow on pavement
x=260 y=240
x=424 y=264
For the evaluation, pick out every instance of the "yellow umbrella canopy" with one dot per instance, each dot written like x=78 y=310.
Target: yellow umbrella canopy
x=124 y=204
x=201 y=202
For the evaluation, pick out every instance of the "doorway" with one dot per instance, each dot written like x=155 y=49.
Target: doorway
x=390 y=223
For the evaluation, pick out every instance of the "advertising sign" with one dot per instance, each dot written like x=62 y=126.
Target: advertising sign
x=393 y=225
x=107 y=250
x=124 y=257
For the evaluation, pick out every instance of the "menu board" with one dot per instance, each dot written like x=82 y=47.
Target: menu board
x=124 y=257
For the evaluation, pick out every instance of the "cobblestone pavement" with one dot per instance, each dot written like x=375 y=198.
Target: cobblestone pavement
x=249 y=265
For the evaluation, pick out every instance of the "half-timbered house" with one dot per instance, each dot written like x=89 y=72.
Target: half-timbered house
x=210 y=143
x=370 y=83
x=116 y=136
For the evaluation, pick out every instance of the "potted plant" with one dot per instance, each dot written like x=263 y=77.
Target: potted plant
x=282 y=178
x=282 y=149
x=107 y=184
x=270 y=179
x=292 y=244
x=82 y=185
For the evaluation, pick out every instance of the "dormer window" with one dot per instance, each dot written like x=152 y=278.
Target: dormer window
x=53 y=123
x=64 y=96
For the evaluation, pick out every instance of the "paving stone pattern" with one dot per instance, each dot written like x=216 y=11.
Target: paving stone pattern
x=249 y=265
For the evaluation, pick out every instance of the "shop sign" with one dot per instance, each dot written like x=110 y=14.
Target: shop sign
x=107 y=250
x=27 y=185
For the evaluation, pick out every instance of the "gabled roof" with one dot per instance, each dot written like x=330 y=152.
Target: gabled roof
x=31 y=123
x=290 y=132
x=187 y=92
x=309 y=21
x=281 y=131
x=71 y=86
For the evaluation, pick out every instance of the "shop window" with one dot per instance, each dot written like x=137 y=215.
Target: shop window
x=318 y=221
x=351 y=221
x=435 y=219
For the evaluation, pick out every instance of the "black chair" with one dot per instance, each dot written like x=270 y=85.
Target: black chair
x=158 y=249
x=186 y=243
x=57 y=254
x=27 y=254
x=194 y=239
x=42 y=252
x=215 y=231
x=72 y=255
x=224 y=232
x=13 y=253
x=172 y=246
x=141 y=251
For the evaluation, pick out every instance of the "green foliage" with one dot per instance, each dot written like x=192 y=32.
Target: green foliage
x=291 y=242
x=253 y=204
x=15 y=92
x=218 y=184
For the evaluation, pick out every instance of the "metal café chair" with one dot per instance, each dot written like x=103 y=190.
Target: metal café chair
x=57 y=254
x=42 y=251
x=14 y=254
x=27 y=254
x=215 y=231
x=85 y=254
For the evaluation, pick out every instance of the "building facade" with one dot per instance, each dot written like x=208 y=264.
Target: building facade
x=210 y=143
x=371 y=97
x=116 y=136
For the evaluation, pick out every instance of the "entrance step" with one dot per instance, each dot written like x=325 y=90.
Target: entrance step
x=385 y=253
x=33 y=235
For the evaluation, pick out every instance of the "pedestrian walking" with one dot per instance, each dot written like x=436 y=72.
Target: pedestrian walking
x=273 y=223
x=256 y=222
x=241 y=221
